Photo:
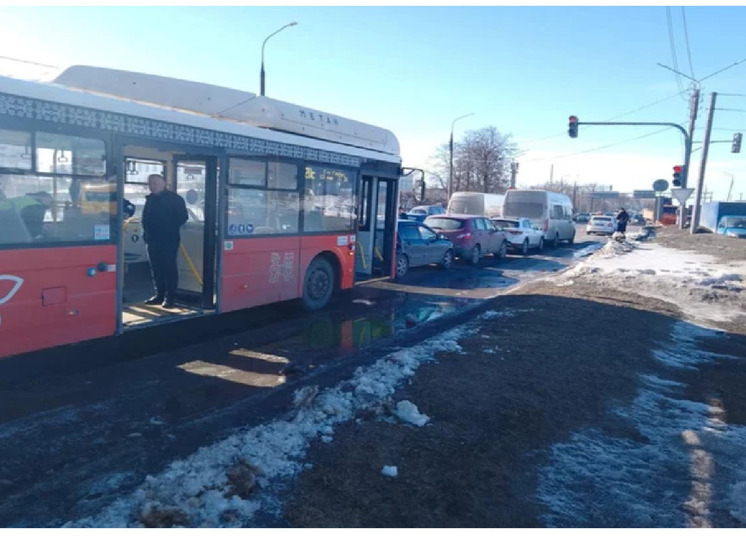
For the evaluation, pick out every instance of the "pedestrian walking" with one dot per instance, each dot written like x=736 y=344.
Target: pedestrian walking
x=162 y=217
x=621 y=219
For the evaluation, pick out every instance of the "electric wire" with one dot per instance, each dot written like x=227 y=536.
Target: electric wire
x=27 y=61
x=539 y=140
x=723 y=69
x=686 y=36
x=672 y=44
x=659 y=131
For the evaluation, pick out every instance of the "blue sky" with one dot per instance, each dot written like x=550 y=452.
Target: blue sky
x=414 y=69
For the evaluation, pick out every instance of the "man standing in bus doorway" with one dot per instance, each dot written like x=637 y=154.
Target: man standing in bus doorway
x=162 y=217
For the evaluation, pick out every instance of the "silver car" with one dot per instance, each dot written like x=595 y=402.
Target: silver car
x=601 y=225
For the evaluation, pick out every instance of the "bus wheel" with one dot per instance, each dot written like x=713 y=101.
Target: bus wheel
x=318 y=285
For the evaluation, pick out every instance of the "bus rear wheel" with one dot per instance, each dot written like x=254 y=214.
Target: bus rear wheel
x=318 y=284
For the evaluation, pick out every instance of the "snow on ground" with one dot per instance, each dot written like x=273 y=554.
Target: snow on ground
x=703 y=288
x=679 y=464
x=677 y=451
x=229 y=482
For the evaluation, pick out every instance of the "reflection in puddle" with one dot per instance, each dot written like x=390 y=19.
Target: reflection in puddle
x=347 y=335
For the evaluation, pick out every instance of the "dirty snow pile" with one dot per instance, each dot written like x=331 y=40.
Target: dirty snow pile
x=227 y=483
x=704 y=289
x=676 y=462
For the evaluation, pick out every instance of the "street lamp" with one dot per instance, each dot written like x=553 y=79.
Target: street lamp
x=264 y=43
x=450 y=165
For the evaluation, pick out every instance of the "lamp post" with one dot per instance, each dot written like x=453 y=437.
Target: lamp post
x=264 y=43
x=450 y=148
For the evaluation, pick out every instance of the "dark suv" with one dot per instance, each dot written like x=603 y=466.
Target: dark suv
x=471 y=235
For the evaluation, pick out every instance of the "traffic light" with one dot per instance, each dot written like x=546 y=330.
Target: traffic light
x=573 y=130
x=678 y=175
x=736 y=146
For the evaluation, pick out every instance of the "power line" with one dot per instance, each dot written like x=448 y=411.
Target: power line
x=643 y=107
x=672 y=44
x=27 y=61
x=723 y=69
x=599 y=147
x=731 y=110
x=609 y=119
x=686 y=35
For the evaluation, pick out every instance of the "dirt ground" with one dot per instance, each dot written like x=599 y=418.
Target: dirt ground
x=559 y=364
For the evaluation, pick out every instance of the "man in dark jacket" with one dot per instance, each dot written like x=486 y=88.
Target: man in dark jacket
x=162 y=217
x=621 y=219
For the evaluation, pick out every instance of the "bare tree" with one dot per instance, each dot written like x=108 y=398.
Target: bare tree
x=481 y=161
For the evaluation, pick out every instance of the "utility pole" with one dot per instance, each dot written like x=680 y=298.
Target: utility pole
x=574 y=195
x=513 y=173
x=688 y=152
x=551 y=174
x=696 y=211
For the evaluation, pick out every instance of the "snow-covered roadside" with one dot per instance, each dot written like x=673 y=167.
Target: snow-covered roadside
x=705 y=290
x=684 y=466
x=227 y=483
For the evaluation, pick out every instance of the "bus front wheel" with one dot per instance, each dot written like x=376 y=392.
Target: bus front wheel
x=318 y=285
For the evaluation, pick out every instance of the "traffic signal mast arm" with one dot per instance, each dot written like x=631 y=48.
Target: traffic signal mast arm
x=687 y=139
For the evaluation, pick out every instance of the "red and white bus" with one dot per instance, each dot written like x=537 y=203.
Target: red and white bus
x=284 y=201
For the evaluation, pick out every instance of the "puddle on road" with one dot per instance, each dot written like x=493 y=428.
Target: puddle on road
x=324 y=338
x=348 y=335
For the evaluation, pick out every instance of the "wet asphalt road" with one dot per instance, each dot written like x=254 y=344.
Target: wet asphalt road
x=81 y=425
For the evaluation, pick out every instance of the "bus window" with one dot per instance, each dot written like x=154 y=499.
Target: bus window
x=15 y=150
x=381 y=207
x=43 y=209
x=330 y=200
x=263 y=198
x=61 y=196
x=70 y=155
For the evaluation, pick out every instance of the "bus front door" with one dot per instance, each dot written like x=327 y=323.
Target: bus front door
x=384 y=229
x=364 y=244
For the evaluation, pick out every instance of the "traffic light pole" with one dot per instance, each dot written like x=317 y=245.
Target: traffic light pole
x=687 y=140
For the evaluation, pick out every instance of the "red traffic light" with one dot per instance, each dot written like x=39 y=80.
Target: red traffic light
x=678 y=168
x=573 y=129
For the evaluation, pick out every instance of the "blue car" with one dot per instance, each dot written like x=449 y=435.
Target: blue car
x=732 y=226
x=418 y=245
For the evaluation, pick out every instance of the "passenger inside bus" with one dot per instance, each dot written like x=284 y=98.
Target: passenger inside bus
x=31 y=208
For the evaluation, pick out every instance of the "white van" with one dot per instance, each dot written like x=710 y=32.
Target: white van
x=476 y=203
x=551 y=211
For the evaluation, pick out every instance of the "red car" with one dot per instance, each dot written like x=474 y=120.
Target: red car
x=471 y=235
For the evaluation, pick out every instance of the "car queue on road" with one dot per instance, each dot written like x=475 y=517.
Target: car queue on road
x=443 y=238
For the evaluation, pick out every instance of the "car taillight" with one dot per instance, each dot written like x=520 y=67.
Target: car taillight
x=513 y=231
x=546 y=225
x=465 y=236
